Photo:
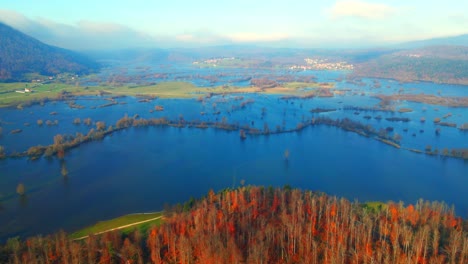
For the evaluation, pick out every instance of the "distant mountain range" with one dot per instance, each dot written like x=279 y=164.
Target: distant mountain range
x=21 y=54
x=461 y=40
x=440 y=60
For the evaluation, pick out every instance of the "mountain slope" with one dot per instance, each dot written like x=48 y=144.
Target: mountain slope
x=21 y=54
x=461 y=40
x=439 y=64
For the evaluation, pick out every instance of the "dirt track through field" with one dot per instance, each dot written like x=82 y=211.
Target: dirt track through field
x=120 y=227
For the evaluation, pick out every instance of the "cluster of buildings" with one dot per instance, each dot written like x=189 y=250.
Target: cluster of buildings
x=310 y=64
x=322 y=64
x=213 y=61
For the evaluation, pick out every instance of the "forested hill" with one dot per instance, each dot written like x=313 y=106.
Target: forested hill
x=21 y=54
x=438 y=64
x=266 y=225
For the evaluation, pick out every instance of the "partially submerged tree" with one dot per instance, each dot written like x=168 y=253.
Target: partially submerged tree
x=77 y=121
x=242 y=134
x=87 y=121
x=20 y=189
x=100 y=126
x=286 y=154
x=64 y=170
x=2 y=152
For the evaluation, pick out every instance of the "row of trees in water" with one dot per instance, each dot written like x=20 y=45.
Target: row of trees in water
x=266 y=225
x=99 y=129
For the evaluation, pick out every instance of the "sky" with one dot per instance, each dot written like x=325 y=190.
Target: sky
x=116 y=24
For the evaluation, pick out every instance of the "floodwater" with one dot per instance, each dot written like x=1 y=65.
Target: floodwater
x=141 y=169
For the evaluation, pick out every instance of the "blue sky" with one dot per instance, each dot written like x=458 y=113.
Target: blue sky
x=88 y=24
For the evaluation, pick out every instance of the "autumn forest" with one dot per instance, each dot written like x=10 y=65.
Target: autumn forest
x=267 y=225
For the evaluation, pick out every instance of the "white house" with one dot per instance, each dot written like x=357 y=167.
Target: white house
x=26 y=90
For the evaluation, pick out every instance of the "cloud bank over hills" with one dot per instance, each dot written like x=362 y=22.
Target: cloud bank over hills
x=82 y=36
x=91 y=35
x=302 y=24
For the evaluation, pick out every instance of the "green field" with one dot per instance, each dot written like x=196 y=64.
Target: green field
x=10 y=97
x=162 y=90
x=121 y=221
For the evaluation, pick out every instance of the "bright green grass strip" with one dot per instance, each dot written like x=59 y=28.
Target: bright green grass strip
x=143 y=228
x=375 y=206
x=117 y=222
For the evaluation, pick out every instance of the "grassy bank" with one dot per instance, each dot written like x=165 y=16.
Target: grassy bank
x=125 y=220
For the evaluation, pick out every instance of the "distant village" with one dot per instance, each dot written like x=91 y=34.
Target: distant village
x=310 y=64
x=213 y=62
x=322 y=64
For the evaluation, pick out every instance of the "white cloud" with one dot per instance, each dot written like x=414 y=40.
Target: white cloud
x=254 y=37
x=207 y=37
x=201 y=37
x=361 y=9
